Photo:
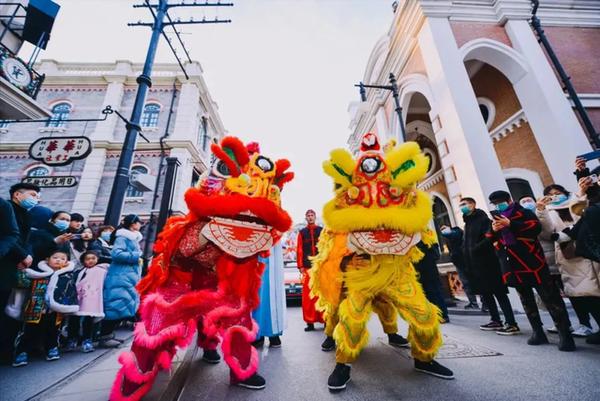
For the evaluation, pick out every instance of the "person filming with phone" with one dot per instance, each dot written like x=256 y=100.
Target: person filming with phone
x=514 y=234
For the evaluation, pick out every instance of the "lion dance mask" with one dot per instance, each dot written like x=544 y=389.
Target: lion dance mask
x=206 y=273
x=369 y=245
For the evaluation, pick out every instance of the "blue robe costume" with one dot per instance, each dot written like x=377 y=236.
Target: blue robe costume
x=270 y=314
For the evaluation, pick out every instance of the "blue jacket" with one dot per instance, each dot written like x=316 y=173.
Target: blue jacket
x=121 y=299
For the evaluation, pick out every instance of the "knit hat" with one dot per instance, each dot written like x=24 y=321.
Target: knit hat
x=499 y=196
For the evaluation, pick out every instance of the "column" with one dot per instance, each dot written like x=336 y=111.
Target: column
x=186 y=120
x=91 y=176
x=469 y=160
x=551 y=117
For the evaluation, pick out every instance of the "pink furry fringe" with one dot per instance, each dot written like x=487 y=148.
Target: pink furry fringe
x=116 y=393
x=182 y=334
x=241 y=372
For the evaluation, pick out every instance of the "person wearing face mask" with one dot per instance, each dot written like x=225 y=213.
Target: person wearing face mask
x=454 y=240
x=483 y=268
x=514 y=233
x=51 y=237
x=102 y=243
x=579 y=276
x=18 y=257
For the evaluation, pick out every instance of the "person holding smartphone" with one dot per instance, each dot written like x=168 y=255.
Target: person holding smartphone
x=514 y=234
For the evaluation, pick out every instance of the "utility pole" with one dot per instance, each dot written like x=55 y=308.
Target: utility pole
x=393 y=87
x=160 y=12
x=564 y=77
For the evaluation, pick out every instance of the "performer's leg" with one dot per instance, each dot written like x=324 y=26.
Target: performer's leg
x=309 y=312
x=351 y=333
x=388 y=316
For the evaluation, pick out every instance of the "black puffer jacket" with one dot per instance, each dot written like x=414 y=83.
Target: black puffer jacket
x=42 y=243
x=482 y=264
x=587 y=233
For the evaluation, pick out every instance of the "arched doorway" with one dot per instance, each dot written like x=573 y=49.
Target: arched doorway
x=519 y=188
x=441 y=217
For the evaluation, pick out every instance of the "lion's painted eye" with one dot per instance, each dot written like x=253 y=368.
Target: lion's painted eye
x=370 y=165
x=264 y=164
x=220 y=169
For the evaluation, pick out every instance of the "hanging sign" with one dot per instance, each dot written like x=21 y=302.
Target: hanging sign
x=60 y=151
x=56 y=181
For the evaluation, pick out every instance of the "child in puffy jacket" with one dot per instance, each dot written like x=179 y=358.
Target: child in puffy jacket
x=89 y=284
x=52 y=294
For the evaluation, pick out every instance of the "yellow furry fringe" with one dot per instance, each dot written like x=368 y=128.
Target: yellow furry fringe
x=357 y=218
x=399 y=155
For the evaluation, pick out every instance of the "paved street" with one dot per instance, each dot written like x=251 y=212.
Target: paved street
x=487 y=367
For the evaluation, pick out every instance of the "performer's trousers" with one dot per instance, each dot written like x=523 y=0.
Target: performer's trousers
x=348 y=324
x=309 y=312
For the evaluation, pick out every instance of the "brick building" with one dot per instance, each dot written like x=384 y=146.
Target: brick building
x=481 y=97
x=178 y=112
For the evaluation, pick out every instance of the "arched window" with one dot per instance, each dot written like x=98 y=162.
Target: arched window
x=38 y=171
x=441 y=217
x=488 y=111
x=132 y=192
x=60 y=112
x=519 y=188
x=150 y=115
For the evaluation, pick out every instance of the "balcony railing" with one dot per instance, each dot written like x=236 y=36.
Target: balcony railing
x=19 y=73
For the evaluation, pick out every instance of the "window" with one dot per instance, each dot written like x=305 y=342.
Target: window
x=203 y=137
x=195 y=177
x=487 y=110
x=60 y=112
x=38 y=172
x=150 y=116
x=519 y=188
x=132 y=192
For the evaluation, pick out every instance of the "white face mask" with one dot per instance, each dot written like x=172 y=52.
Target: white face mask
x=446 y=231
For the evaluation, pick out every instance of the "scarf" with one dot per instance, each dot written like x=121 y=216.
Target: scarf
x=508 y=237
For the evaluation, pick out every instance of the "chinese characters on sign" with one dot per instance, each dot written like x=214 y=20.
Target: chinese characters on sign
x=52 y=182
x=60 y=151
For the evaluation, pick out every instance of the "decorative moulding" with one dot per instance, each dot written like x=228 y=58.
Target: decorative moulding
x=509 y=125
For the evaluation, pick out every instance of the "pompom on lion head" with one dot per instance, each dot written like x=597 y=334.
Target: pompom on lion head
x=377 y=190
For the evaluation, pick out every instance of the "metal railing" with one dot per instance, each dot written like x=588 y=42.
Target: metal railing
x=33 y=87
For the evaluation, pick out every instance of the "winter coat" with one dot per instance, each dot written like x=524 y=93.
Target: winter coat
x=90 y=286
x=103 y=248
x=9 y=230
x=51 y=291
x=121 y=299
x=454 y=240
x=580 y=276
x=521 y=255
x=18 y=250
x=42 y=243
x=482 y=266
x=587 y=234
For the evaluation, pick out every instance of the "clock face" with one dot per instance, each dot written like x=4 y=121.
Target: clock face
x=16 y=72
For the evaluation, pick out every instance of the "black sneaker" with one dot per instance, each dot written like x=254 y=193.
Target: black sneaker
x=509 y=330
x=211 y=356
x=309 y=327
x=328 y=344
x=339 y=378
x=433 y=368
x=274 y=342
x=254 y=382
x=491 y=326
x=538 y=337
x=259 y=343
x=396 y=340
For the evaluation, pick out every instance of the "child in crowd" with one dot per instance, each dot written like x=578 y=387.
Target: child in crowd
x=42 y=314
x=89 y=284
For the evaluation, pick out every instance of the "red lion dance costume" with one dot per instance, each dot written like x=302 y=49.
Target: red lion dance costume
x=206 y=274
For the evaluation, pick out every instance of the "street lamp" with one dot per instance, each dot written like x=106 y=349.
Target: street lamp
x=393 y=86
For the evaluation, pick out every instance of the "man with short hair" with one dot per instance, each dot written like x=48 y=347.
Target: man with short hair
x=514 y=234
x=23 y=197
x=306 y=247
x=483 y=268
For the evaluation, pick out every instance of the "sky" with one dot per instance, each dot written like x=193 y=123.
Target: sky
x=282 y=73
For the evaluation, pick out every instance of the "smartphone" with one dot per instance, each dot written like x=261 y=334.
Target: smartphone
x=495 y=214
x=76 y=236
x=590 y=156
x=594 y=178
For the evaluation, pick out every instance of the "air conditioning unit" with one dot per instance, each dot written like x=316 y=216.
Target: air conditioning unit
x=142 y=182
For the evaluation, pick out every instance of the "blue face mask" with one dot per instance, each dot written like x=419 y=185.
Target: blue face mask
x=28 y=203
x=105 y=236
x=446 y=231
x=528 y=205
x=62 y=225
x=502 y=206
x=560 y=199
x=465 y=209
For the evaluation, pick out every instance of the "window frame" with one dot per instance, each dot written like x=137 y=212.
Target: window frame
x=59 y=122
x=131 y=192
x=150 y=118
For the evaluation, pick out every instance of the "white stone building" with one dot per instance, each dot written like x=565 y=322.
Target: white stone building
x=179 y=111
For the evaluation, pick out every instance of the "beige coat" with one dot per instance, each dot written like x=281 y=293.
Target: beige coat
x=581 y=277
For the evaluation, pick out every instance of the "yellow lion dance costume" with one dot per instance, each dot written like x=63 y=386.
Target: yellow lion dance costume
x=367 y=251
